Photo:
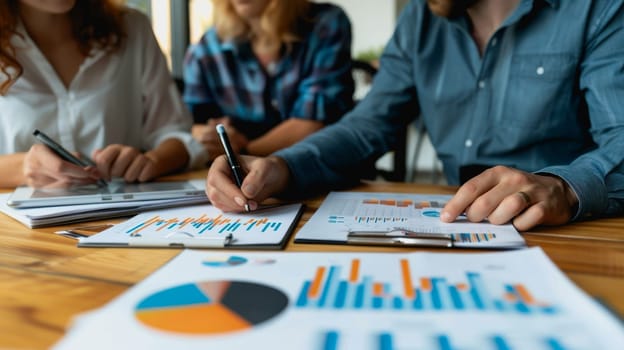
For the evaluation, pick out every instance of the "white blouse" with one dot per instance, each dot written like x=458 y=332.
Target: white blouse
x=126 y=97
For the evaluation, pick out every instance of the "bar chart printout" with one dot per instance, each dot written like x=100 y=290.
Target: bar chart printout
x=330 y=288
x=335 y=340
x=348 y=213
x=263 y=227
x=205 y=224
x=512 y=300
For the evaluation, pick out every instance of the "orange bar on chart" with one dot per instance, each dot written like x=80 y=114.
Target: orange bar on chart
x=425 y=283
x=461 y=286
x=407 y=279
x=378 y=289
x=316 y=283
x=147 y=223
x=355 y=271
x=510 y=297
x=524 y=294
x=422 y=205
x=168 y=222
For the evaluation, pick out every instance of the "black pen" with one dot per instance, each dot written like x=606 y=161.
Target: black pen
x=65 y=154
x=237 y=170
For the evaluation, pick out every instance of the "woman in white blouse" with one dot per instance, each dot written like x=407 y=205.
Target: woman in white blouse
x=91 y=75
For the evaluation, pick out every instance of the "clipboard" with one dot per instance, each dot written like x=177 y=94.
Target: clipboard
x=200 y=227
x=400 y=220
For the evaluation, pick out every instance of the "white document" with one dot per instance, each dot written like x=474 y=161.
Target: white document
x=343 y=301
x=201 y=226
x=342 y=213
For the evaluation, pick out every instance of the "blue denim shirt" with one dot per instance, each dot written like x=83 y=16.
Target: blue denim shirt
x=546 y=96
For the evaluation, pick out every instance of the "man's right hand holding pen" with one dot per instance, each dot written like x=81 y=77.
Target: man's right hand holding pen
x=265 y=178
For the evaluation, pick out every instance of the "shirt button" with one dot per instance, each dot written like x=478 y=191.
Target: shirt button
x=494 y=42
x=274 y=103
x=539 y=70
x=468 y=143
x=481 y=84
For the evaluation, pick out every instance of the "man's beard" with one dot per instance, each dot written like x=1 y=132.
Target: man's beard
x=449 y=8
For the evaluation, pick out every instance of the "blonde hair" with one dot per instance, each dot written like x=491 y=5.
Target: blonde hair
x=278 y=21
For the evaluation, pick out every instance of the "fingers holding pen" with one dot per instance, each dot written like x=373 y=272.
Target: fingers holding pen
x=42 y=167
x=223 y=191
x=264 y=178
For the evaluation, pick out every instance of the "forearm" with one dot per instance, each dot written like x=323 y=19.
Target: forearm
x=171 y=155
x=285 y=134
x=11 y=173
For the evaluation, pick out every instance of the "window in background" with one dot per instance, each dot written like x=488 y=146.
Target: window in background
x=200 y=18
x=160 y=13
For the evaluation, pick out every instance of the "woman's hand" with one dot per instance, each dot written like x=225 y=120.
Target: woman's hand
x=44 y=168
x=126 y=162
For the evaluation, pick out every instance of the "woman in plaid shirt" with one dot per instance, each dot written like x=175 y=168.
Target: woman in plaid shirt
x=271 y=71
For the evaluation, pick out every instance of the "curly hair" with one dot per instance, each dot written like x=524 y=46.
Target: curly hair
x=278 y=21
x=95 y=24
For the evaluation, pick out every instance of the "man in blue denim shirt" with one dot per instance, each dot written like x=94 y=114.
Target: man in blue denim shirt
x=532 y=89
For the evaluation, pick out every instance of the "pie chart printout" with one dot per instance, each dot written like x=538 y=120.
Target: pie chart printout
x=211 y=307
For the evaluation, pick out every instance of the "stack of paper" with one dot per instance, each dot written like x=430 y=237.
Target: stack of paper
x=66 y=214
x=332 y=301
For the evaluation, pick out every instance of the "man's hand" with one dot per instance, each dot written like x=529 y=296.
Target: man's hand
x=503 y=194
x=265 y=177
x=43 y=168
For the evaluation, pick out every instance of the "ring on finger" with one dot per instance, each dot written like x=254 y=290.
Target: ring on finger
x=525 y=198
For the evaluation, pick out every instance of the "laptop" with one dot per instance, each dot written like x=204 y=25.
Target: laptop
x=116 y=191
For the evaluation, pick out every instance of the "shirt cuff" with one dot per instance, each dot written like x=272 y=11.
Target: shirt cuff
x=198 y=157
x=589 y=188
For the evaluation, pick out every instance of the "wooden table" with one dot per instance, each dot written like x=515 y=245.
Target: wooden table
x=45 y=279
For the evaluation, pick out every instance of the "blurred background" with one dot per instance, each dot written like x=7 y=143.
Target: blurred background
x=180 y=22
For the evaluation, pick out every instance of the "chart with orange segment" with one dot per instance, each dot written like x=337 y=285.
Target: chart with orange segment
x=262 y=228
x=345 y=213
x=211 y=307
x=341 y=301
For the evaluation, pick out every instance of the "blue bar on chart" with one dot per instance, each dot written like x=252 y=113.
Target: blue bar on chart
x=330 y=289
x=333 y=339
x=204 y=224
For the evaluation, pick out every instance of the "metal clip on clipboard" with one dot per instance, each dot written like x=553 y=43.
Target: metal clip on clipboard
x=181 y=242
x=400 y=236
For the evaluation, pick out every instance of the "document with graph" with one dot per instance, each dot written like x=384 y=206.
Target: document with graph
x=341 y=301
x=202 y=226
x=399 y=219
